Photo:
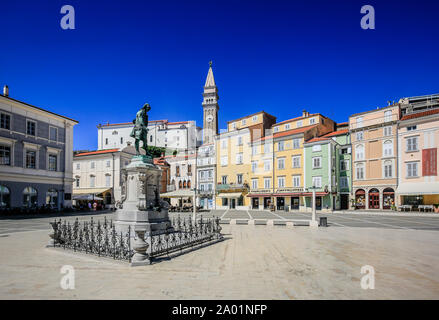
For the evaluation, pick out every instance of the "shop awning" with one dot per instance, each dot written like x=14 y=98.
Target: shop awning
x=229 y=195
x=318 y=194
x=180 y=193
x=85 y=191
x=418 y=188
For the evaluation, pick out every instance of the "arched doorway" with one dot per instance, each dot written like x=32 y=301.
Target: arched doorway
x=108 y=198
x=5 y=197
x=30 y=197
x=52 y=198
x=388 y=198
x=360 y=199
x=374 y=199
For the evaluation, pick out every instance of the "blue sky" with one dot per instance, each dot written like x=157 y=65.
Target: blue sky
x=276 y=56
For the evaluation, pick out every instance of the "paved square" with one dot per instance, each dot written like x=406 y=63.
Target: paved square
x=255 y=262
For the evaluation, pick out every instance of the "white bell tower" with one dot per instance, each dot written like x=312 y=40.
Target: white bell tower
x=210 y=108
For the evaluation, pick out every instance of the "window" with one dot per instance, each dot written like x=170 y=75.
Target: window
x=287 y=126
x=5 y=197
x=224 y=160
x=254 y=150
x=5 y=155
x=254 y=166
x=233 y=125
x=387 y=131
x=267 y=183
x=316 y=148
x=254 y=183
x=30 y=197
x=412 y=144
x=224 y=179
x=189 y=169
x=312 y=121
x=411 y=128
x=244 y=122
x=359 y=152
x=239 y=178
x=317 y=182
x=150 y=138
x=92 y=165
x=78 y=166
x=387 y=116
x=239 y=141
x=281 y=182
x=316 y=162
x=255 y=118
x=344 y=165
x=276 y=129
x=388 y=169
x=267 y=165
x=177 y=170
x=121 y=140
x=239 y=158
x=92 y=181
x=299 y=124
x=78 y=182
x=296 y=181
x=412 y=169
x=106 y=140
x=5 y=121
x=388 y=148
x=281 y=163
x=344 y=151
x=360 y=171
x=267 y=148
x=359 y=121
x=108 y=163
x=107 y=180
x=53 y=162
x=280 y=146
x=296 y=161
x=224 y=144
x=343 y=182
x=30 y=127
x=359 y=135
x=52 y=197
x=31 y=158
x=53 y=133
x=296 y=143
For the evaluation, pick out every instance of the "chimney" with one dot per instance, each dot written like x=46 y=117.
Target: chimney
x=6 y=91
x=305 y=113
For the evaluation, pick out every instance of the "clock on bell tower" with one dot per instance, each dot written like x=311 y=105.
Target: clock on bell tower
x=210 y=107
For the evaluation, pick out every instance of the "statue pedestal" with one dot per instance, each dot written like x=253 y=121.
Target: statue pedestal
x=141 y=207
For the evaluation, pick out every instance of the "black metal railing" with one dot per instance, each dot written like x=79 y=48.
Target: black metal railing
x=102 y=239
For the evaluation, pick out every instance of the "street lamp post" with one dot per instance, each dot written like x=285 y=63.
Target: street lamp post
x=313 y=222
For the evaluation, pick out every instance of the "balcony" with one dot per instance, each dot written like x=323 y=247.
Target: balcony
x=231 y=186
x=170 y=187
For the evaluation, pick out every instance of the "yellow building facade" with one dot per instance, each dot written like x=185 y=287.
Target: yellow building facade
x=277 y=163
x=233 y=152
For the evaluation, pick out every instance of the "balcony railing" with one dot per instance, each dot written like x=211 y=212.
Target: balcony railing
x=170 y=188
x=227 y=186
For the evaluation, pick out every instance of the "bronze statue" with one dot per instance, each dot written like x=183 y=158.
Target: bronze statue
x=140 y=130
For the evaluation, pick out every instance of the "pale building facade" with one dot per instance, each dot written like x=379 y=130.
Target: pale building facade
x=178 y=136
x=374 y=157
x=206 y=170
x=98 y=173
x=418 y=142
x=36 y=151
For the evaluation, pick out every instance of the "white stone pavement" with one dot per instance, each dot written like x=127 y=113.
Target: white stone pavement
x=255 y=263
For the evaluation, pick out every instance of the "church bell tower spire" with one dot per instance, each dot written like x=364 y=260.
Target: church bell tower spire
x=210 y=107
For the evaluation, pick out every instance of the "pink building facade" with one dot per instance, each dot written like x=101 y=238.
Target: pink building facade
x=418 y=156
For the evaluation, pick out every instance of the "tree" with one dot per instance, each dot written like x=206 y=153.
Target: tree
x=156 y=152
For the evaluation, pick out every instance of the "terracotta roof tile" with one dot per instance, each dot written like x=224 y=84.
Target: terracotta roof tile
x=420 y=114
x=288 y=132
x=96 y=152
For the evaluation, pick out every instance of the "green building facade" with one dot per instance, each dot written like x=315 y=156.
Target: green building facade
x=328 y=168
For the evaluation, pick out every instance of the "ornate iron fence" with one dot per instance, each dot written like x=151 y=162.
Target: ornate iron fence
x=102 y=239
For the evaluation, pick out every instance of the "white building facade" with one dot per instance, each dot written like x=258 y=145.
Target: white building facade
x=178 y=136
x=98 y=173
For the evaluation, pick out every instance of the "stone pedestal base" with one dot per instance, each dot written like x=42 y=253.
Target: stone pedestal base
x=151 y=222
